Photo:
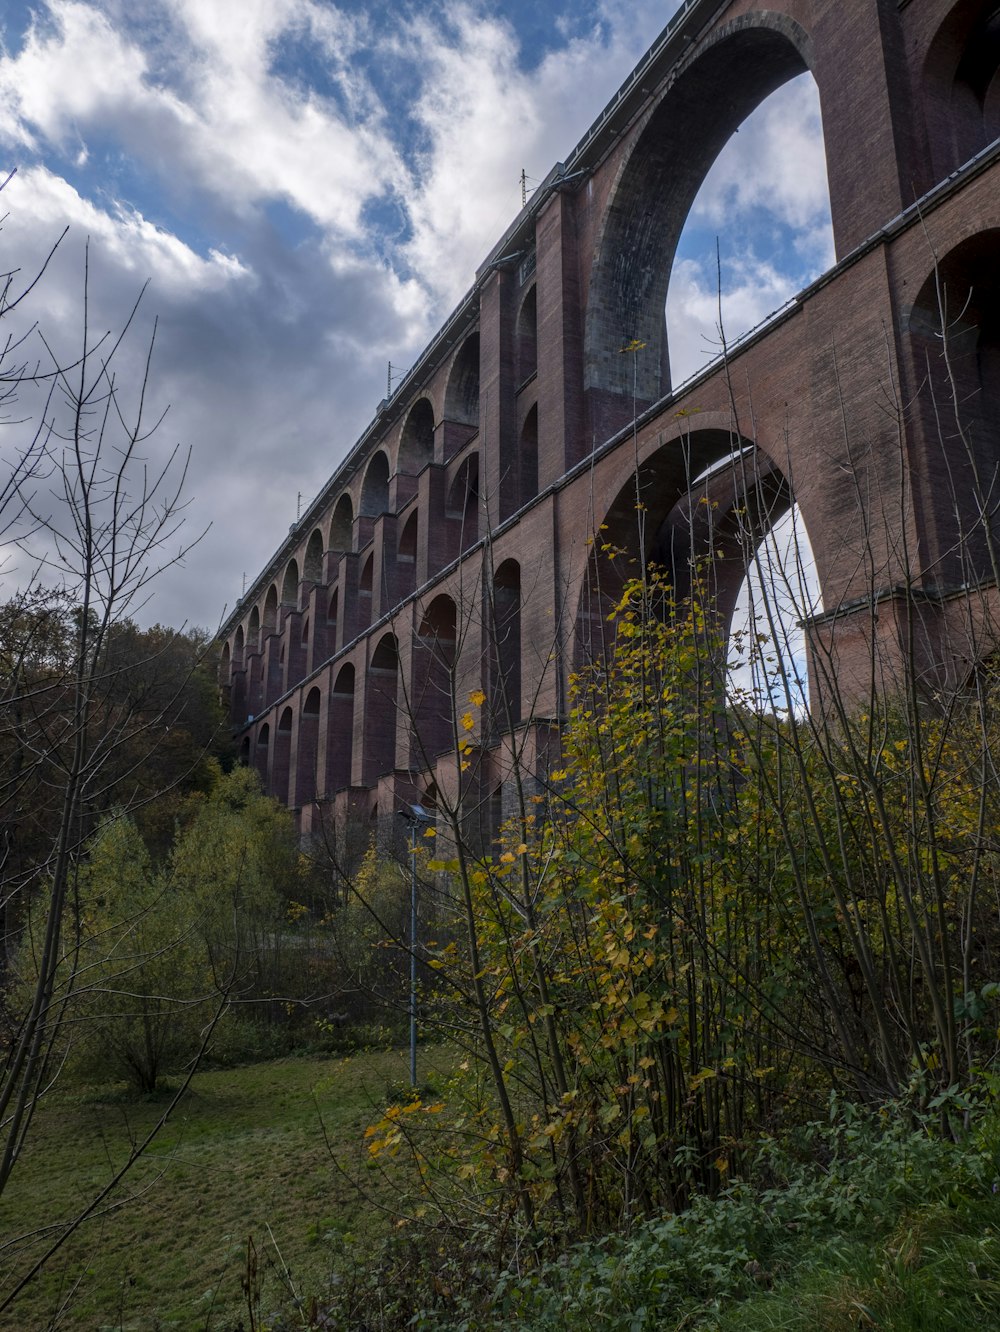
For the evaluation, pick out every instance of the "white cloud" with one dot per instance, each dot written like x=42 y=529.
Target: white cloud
x=775 y=162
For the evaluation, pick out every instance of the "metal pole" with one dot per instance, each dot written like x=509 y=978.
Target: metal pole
x=413 y=953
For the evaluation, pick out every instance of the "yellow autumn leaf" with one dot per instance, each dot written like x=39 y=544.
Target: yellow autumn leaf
x=468 y=721
x=477 y=698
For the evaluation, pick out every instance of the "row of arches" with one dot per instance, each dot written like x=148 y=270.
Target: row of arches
x=341 y=733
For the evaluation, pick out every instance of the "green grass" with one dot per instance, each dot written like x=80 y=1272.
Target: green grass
x=244 y=1157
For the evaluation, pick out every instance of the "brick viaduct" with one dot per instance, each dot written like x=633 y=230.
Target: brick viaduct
x=453 y=547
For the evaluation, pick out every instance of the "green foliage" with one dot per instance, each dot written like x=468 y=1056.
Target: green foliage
x=704 y=922
x=864 y=1208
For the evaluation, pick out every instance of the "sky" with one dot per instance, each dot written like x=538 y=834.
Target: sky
x=308 y=188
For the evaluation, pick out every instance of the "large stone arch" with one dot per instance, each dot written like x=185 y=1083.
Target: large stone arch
x=704 y=495
x=683 y=134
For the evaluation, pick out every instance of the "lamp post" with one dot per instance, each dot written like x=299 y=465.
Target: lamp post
x=417 y=817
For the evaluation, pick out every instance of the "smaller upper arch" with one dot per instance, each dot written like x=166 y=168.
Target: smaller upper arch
x=416 y=442
x=253 y=629
x=526 y=337
x=342 y=525
x=290 y=584
x=461 y=399
x=269 y=619
x=375 y=488
x=311 y=706
x=386 y=654
x=312 y=566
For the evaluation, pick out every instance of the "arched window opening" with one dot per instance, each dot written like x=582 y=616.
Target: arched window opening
x=342 y=526
x=758 y=231
x=271 y=610
x=461 y=400
x=463 y=507
x=375 y=491
x=225 y=665
x=432 y=692
x=281 y=760
x=505 y=647
x=416 y=445
x=312 y=569
x=308 y=745
x=253 y=631
x=290 y=585
x=340 y=740
x=239 y=644
x=380 y=715
x=527 y=458
x=526 y=338
x=261 y=753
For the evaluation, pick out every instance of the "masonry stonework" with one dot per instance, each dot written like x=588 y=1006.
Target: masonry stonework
x=454 y=551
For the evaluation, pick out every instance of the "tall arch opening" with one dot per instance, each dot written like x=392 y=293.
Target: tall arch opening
x=270 y=617
x=432 y=692
x=711 y=511
x=262 y=753
x=281 y=760
x=290 y=584
x=462 y=508
x=526 y=338
x=238 y=647
x=461 y=399
x=380 y=713
x=505 y=647
x=758 y=230
x=653 y=196
x=306 y=751
x=416 y=445
x=342 y=526
x=527 y=458
x=375 y=490
x=340 y=732
x=312 y=567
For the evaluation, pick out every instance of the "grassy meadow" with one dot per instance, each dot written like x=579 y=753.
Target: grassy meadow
x=245 y=1160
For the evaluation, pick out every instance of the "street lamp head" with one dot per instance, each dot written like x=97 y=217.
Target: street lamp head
x=415 y=814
